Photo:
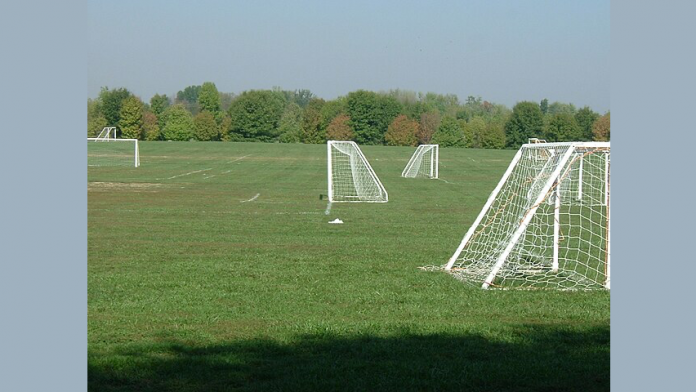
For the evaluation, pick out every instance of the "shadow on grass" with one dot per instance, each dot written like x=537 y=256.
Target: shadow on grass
x=536 y=358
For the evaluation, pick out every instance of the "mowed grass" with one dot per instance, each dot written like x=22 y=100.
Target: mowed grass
x=212 y=267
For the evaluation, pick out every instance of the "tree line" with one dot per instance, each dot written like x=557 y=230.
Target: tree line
x=395 y=118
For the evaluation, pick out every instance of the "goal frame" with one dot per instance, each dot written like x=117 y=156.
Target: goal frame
x=136 y=152
x=434 y=159
x=370 y=171
x=540 y=197
x=106 y=134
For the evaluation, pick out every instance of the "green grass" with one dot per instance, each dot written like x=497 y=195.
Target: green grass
x=194 y=288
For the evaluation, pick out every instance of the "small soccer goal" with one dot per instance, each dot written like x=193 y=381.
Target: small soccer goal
x=107 y=133
x=424 y=162
x=107 y=151
x=546 y=224
x=351 y=178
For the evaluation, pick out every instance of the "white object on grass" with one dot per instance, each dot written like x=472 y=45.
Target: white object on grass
x=546 y=224
x=424 y=162
x=350 y=176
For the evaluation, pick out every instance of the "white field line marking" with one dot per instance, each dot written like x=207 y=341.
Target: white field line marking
x=252 y=199
x=328 y=209
x=233 y=161
x=440 y=179
x=189 y=173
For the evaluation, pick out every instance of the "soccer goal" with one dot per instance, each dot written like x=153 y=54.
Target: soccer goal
x=424 y=162
x=351 y=178
x=112 y=152
x=107 y=133
x=546 y=224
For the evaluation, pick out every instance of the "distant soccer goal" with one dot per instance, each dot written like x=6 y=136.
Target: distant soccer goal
x=351 y=178
x=112 y=152
x=107 y=133
x=424 y=162
x=546 y=224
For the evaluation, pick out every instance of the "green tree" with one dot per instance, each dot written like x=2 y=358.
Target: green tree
x=601 y=128
x=209 y=98
x=429 y=123
x=95 y=119
x=205 y=127
x=331 y=109
x=189 y=94
x=226 y=101
x=256 y=115
x=370 y=115
x=560 y=107
x=494 y=136
x=178 y=123
x=339 y=128
x=449 y=134
x=131 y=118
x=475 y=131
x=188 y=97
x=526 y=122
x=312 y=131
x=585 y=118
x=562 y=128
x=302 y=97
x=151 y=130
x=158 y=103
x=447 y=105
x=402 y=132
x=224 y=128
x=290 y=126
x=111 y=102
x=544 y=106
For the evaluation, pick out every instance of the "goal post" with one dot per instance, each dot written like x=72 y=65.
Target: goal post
x=350 y=176
x=424 y=162
x=545 y=225
x=112 y=152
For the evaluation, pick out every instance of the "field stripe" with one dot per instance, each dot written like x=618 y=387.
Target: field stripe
x=252 y=199
x=328 y=209
x=189 y=173
x=233 y=161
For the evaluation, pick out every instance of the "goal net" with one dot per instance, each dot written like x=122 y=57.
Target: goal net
x=351 y=178
x=112 y=152
x=546 y=224
x=423 y=163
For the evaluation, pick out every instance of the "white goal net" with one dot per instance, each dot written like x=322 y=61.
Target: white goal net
x=546 y=224
x=424 y=162
x=351 y=178
x=112 y=152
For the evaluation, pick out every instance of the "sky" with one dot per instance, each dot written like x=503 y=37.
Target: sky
x=502 y=51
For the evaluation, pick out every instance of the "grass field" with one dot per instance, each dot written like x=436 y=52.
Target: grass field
x=212 y=268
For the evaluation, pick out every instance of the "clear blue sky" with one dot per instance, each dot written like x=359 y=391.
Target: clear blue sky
x=502 y=51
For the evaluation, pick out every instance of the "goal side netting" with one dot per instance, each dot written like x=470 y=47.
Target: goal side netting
x=546 y=224
x=113 y=152
x=424 y=162
x=350 y=176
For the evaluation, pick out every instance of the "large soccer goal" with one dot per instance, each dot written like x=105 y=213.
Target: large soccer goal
x=546 y=224
x=112 y=152
x=351 y=178
x=424 y=162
